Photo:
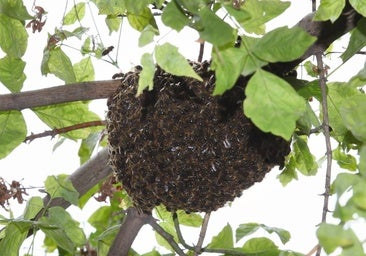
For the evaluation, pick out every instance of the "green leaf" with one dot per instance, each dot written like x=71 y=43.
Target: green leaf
x=272 y=104
x=306 y=89
x=13 y=239
x=142 y=20
x=169 y=59
x=83 y=199
x=68 y=114
x=64 y=230
x=338 y=94
x=13 y=36
x=152 y=253
x=169 y=228
x=111 y=7
x=214 y=29
x=147 y=35
x=104 y=217
x=343 y=182
x=284 y=235
x=61 y=186
x=250 y=228
x=245 y=230
x=60 y=65
x=359 y=79
x=345 y=161
x=113 y=23
x=308 y=120
x=357 y=40
x=274 y=46
x=174 y=17
x=253 y=15
x=34 y=206
x=353 y=114
x=333 y=236
x=49 y=244
x=76 y=13
x=191 y=219
x=137 y=7
x=84 y=70
x=13 y=131
x=359 y=199
x=305 y=161
x=223 y=240
x=14 y=9
x=87 y=146
x=359 y=6
x=12 y=73
x=99 y=219
x=228 y=64
x=106 y=239
x=251 y=61
x=329 y=10
x=311 y=69
x=260 y=246
x=146 y=78
x=289 y=173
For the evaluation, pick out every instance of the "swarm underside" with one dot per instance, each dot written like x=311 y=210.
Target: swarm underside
x=180 y=146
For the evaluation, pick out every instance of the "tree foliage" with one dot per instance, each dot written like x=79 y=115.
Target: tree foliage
x=236 y=34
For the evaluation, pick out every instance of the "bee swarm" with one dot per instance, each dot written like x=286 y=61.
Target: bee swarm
x=180 y=146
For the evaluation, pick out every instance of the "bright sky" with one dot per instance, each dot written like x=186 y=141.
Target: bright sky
x=296 y=208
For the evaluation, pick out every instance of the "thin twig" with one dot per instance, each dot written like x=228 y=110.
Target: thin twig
x=312 y=251
x=168 y=237
x=179 y=233
x=66 y=129
x=202 y=49
x=323 y=87
x=202 y=235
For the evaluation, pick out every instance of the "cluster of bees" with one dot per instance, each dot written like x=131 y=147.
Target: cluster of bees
x=179 y=146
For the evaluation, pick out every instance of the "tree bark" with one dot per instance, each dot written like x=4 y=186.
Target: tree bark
x=128 y=231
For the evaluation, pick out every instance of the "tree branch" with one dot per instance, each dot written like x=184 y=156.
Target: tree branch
x=128 y=232
x=168 y=237
x=179 y=233
x=58 y=94
x=198 y=247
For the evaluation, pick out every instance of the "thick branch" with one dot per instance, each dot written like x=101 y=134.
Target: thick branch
x=59 y=94
x=128 y=231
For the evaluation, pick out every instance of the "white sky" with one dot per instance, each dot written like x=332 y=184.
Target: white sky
x=296 y=208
